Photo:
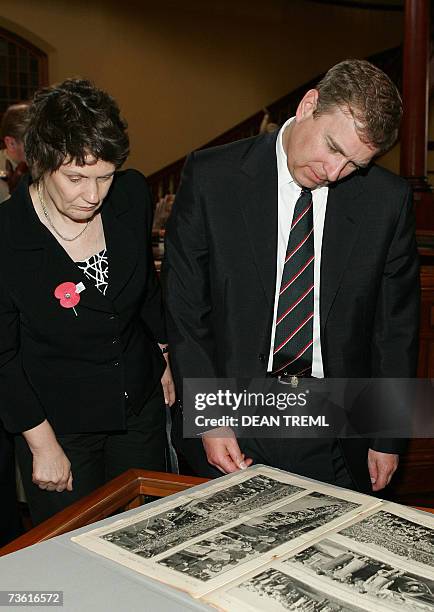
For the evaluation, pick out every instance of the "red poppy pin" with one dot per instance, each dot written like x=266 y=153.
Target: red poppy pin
x=69 y=294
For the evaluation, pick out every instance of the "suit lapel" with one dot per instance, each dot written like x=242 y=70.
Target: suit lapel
x=121 y=241
x=259 y=205
x=342 y=223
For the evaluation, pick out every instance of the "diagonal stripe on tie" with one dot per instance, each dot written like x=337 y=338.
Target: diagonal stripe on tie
x=293 y=333
x=289 y=255
x=299 y=272
x=294 y=323
x=294 y=305
x=301 y=215
x=295 y=359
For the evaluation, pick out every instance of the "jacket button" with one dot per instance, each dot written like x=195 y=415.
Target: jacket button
x=261 y=357
x=115 y=341
x=113 y=317
x=116 y=364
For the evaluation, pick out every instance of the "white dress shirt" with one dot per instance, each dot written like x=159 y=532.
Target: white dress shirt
x=288 y=193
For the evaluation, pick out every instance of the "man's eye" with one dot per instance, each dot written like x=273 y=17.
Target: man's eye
x=74 y=179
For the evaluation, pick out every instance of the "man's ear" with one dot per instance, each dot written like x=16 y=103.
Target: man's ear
x=307 y=105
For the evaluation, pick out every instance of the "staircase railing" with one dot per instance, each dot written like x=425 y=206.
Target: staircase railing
x=166 y=180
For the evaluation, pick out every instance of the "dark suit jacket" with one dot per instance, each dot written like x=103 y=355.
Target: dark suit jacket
x=220 y=272
x=76 y=370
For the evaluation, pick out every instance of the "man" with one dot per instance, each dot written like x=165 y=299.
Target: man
x=12 y=158
x=237 y=307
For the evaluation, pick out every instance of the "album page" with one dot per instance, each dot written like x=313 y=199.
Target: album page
x=212 y=536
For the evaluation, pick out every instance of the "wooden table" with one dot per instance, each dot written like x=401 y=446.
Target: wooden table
x=122 y=493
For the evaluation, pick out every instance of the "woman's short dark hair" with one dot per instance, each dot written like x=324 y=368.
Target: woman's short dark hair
x=365 y=91
x=70 y=121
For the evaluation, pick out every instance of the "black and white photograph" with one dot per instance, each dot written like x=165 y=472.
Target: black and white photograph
x=364 y=577
x=396 y=534
x=274 y=590
x=251 y=494
x=298 y=517
x=157 y=534
x=214 y=556
x=242 y=543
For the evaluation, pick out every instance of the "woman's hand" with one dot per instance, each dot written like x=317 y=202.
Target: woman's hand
x=167 y=381
x=51 y=467
x=52 y=470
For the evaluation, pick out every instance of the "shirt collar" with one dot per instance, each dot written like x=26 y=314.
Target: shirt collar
x=283 y=174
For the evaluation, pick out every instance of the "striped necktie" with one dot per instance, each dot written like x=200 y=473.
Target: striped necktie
x=293 y=340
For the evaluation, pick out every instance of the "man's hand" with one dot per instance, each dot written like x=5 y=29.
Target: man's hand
x=168 y=384
x=224 y=452
x=381 y=467
x=51 y=467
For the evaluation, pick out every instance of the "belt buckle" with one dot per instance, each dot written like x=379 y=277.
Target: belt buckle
x=289 y=380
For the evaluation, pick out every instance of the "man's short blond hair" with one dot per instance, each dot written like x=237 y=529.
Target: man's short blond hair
x=365 y=91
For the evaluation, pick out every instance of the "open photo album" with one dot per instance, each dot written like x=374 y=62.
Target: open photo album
x=266 y=539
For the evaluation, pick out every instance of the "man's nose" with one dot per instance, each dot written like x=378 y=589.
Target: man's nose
x=334 y=168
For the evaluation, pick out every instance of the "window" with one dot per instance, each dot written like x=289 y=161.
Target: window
x=23 y=69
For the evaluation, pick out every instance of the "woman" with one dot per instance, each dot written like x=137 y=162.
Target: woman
x=82 y=347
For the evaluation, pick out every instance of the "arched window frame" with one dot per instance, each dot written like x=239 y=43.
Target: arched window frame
x=11 y=84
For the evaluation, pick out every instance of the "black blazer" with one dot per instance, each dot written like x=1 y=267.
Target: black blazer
x=220 y=271
x=77 y=370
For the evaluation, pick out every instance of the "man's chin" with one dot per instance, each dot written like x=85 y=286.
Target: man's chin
x=310 y=182
x=318 y=181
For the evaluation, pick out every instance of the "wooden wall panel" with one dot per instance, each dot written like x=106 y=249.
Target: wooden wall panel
x=414 y=482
